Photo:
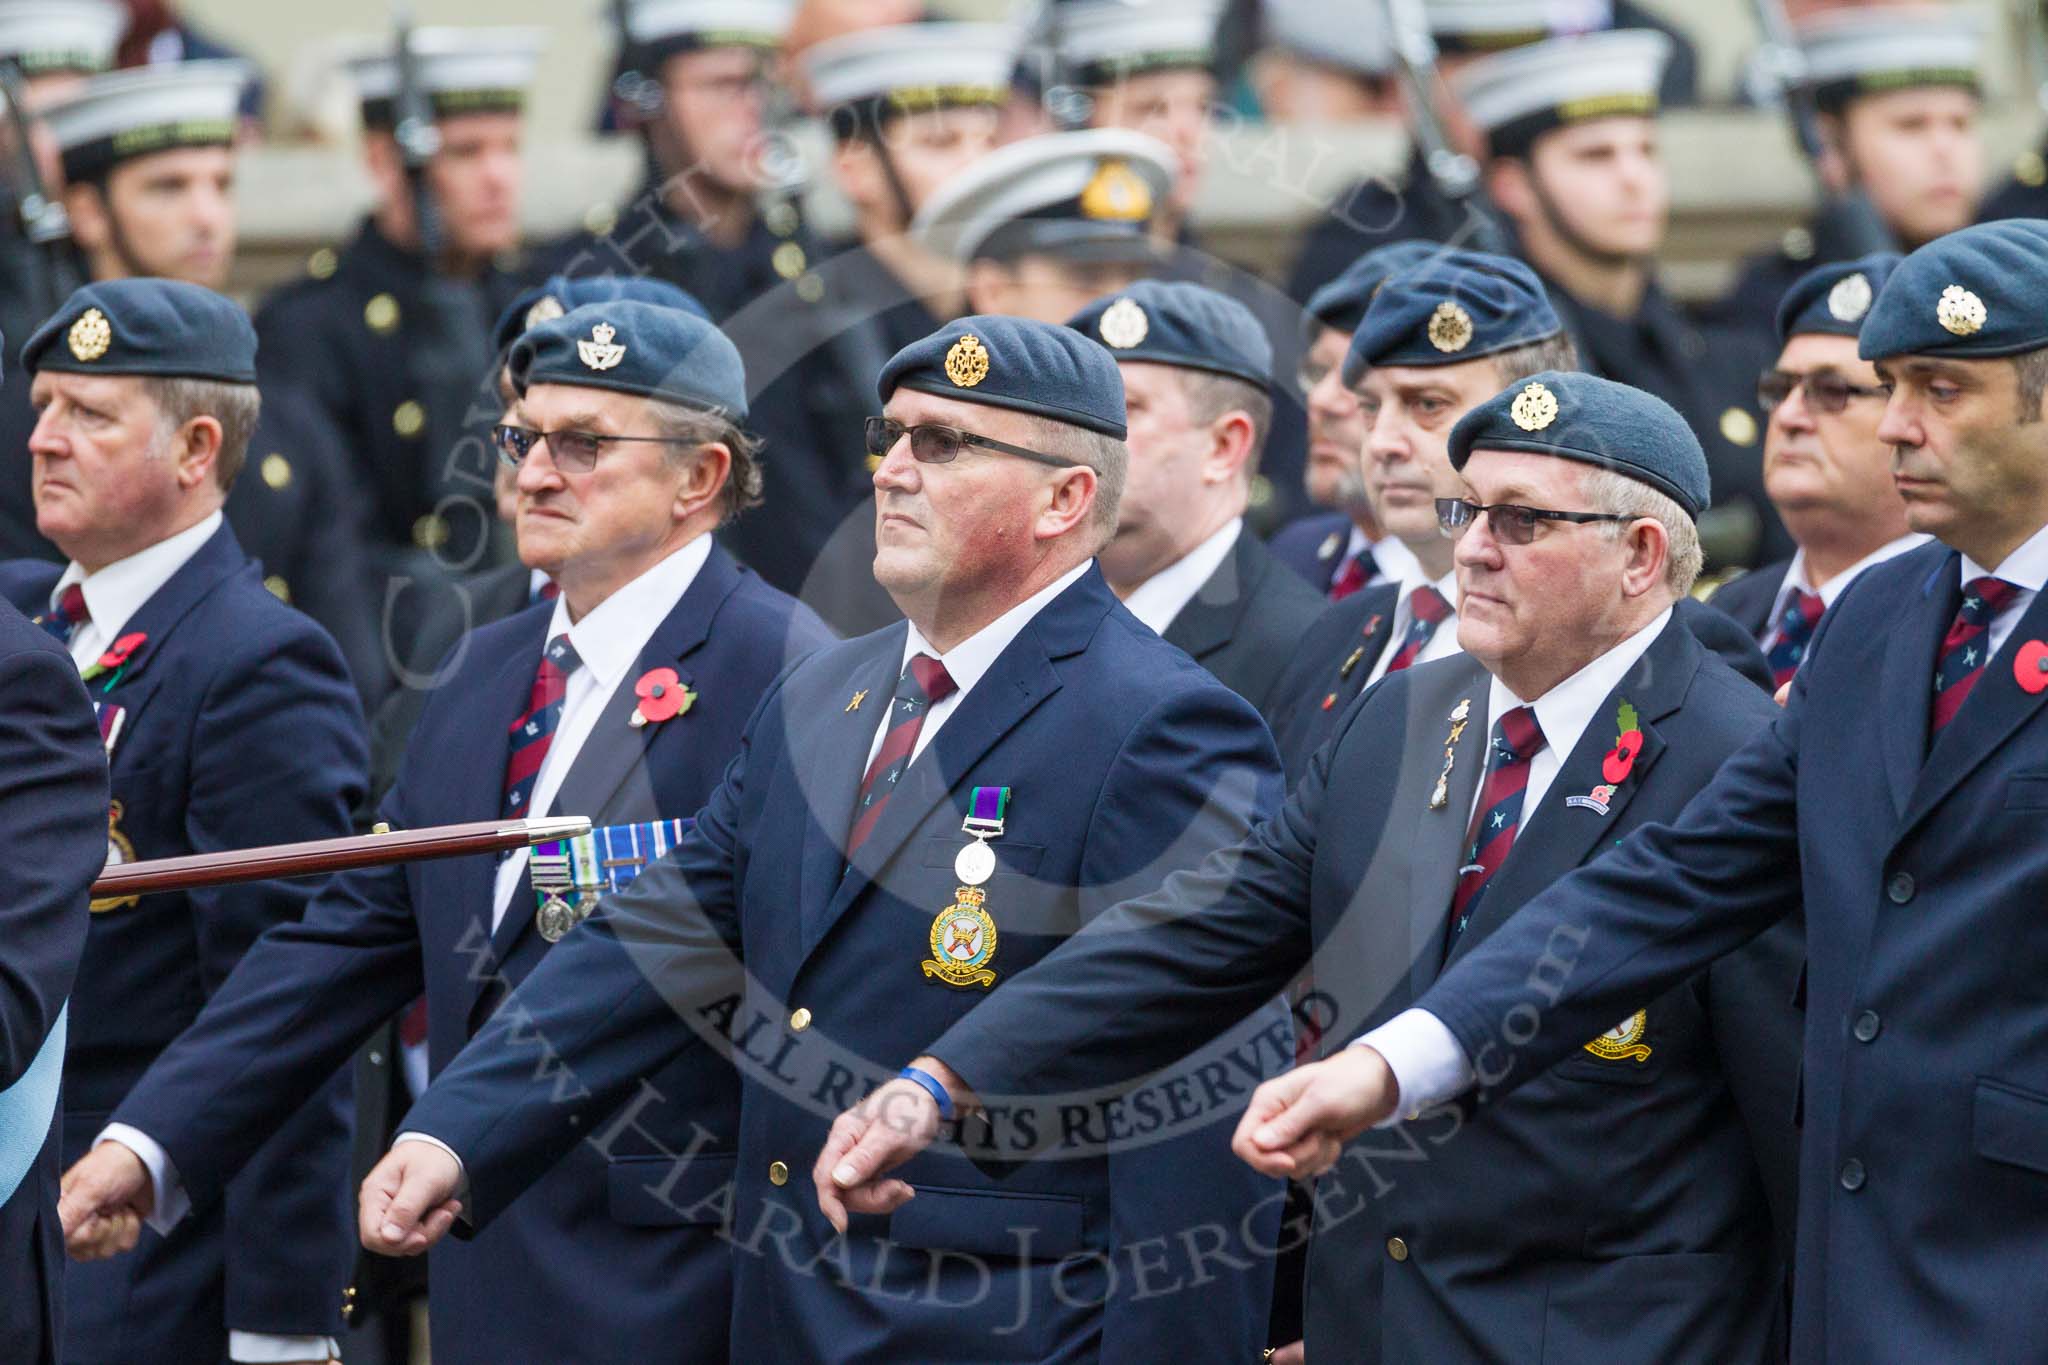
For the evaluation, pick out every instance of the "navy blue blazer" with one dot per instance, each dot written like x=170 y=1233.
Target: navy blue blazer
x=1125 y=760
x=1747 y=598
x=241 y=728
x=1923 y=1189
x=1244 y=623
x=1305 y=545
x=1617 y=1214
x=310 y=992
x=53 y=806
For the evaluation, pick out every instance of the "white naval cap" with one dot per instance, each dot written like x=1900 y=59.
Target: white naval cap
x=899 y=68
x=460 y=70
x=1518 y=95
x=50 y=36
x=1354 y=40
x=1080 y=195
x=119 y=115
x=669 y=26
x=1869 y=51
x=1101 y=39
x=1496 y=25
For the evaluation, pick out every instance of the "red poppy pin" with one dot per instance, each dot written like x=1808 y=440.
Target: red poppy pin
x=1621 y=759
x=662 y=697
x=115 y=656
x=2030 y=666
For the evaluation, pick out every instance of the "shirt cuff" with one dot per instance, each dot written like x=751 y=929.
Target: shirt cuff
x=171 y=1202
x=1428 y=1065
x=462 y=1187
x=261 y=1348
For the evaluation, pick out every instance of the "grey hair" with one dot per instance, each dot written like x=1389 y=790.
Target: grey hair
x=2032 y=369
x=1108 y=456
x=235 y=406
x=1552 y=353
x=1612 y=491
x=1211 y=395
x=695 y=428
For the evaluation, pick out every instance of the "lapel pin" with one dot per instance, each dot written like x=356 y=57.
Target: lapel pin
x=1439 y=798
x=854 y=705
x=2030 y=667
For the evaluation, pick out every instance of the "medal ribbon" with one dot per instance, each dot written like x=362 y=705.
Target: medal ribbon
x=985 y=811
x=603 y=860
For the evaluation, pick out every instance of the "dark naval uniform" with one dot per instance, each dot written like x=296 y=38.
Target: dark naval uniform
x=2024 y=195
x=350 y=335
x=1373 y=213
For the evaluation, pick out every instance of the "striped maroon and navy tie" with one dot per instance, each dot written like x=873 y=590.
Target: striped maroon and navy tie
x=64 y=618
x=1794 y=632
x=1356 y=573
x=1427 y=610
x=1516 y=739
x=924 y=684
x=534 y=731
x=1966 y=647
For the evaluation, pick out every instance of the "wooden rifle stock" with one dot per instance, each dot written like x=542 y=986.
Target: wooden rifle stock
x=331 y=855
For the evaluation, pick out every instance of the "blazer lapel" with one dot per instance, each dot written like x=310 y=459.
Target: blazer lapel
x=1438 y=844
x=1562 y=836
x=1909 y=658
x=833 y=753
x=616 y=749
x=1020 y=679
x=1997 y=706
x=1209 y=621
x=216 y=561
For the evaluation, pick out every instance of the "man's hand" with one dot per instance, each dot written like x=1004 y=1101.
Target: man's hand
x=875 y=1137
x=1290 y=1354
x=408 y=1200
x=1297 y=1124
x=1783 y=694
x=105 y=1196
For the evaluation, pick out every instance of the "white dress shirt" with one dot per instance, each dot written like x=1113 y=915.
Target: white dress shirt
x=1162 y=597
x=1428 y=1065
x=1444 y=641
x=1796 y=580
x=608 y=640
x=1393 y=561
x=114 y=594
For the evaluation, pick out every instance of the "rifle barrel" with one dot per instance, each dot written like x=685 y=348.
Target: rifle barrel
x=330 y=855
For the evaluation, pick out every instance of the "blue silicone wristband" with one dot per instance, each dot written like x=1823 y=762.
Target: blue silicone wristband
x=932 y=1087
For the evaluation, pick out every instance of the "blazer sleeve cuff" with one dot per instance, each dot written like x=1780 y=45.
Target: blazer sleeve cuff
x=1428 y=1064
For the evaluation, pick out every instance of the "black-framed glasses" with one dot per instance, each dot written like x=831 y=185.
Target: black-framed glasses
x=931 y=443
x=1826 y=391
x=1511 y=523
x=575 y=451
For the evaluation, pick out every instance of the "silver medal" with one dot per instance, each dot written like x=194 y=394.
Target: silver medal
x=975 y=863
x=554 y=919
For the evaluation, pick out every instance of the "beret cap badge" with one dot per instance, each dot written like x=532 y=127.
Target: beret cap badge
x=967 y=362
x=90 y=336
x=1960 y=312
x=599 y=353
x=1450 y=327
x=1850 y=299
x=1123 y=324
x=546 y=308
x=1535 y=408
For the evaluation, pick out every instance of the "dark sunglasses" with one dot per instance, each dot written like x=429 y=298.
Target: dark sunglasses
x=1510 y=523
x=575 y=452
x=934 y=444
x=1825 y=391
